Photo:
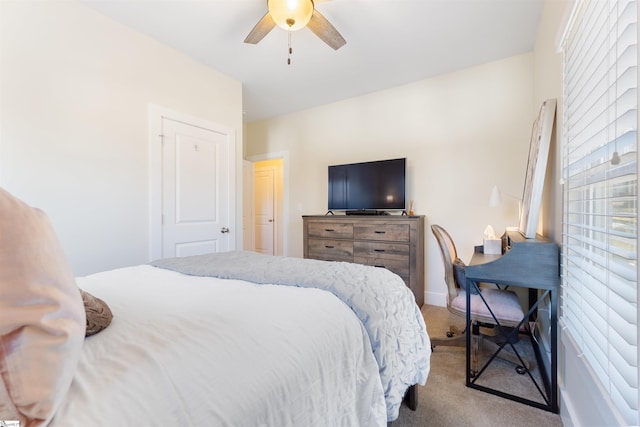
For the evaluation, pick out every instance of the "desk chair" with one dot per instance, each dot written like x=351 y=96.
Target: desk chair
x=504 y=304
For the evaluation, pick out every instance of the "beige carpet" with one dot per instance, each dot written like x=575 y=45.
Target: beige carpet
x=446 y=401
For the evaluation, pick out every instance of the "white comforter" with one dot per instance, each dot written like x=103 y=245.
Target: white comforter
x=381 y=300
x=200 y=351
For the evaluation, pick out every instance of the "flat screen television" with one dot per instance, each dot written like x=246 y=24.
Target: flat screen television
x=368 y=186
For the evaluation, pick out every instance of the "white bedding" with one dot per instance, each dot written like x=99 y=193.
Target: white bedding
x=200 y=351
x=379 y=298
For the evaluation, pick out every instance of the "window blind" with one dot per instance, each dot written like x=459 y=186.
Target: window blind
x=600 y=230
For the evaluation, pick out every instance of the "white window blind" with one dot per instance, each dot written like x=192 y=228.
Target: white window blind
x=599 y=256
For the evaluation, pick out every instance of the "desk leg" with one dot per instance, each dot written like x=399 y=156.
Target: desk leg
x=554 y=351
x=533 y=297
x=549 y=391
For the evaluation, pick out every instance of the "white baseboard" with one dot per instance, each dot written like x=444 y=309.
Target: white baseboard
x=435 y=298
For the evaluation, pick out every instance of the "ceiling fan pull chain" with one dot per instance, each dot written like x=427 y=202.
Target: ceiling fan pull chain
x=290 y=50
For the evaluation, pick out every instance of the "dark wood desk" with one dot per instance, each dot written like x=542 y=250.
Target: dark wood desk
x=532 y=264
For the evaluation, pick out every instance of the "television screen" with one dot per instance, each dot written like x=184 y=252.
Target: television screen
x=378 y=185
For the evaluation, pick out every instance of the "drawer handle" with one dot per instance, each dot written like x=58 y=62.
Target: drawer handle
x=380 y=266
x=328 y=246
x=329 y=230
x=379 y=232
x=378 y=250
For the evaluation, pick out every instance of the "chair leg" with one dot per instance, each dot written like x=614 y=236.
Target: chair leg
x=458 y=341
x=476 y=345
x=455 y=330
x=455 y=338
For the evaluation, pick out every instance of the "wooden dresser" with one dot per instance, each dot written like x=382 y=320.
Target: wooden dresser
x=392 y=242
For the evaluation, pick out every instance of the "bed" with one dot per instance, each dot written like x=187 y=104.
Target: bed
x=232 y=339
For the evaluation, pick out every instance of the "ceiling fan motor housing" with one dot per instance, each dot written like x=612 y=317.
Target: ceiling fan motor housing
x=292 y=15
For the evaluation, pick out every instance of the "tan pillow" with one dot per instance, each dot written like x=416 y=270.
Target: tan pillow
x=98 y=313
x=42 y=320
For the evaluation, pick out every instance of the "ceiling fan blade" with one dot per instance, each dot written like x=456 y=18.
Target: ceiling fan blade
x=327 y=32
x=261 y=29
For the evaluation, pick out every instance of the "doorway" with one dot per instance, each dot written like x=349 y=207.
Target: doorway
x=266 y=191
x=267 y=206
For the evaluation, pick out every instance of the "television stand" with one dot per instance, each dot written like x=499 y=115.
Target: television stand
x=366 y=212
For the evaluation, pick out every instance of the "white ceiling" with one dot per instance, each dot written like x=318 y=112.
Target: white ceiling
x=389 y=43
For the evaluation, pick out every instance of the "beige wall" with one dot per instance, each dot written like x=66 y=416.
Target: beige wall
x=547 y=68
x=75 y=89
x=461 y=132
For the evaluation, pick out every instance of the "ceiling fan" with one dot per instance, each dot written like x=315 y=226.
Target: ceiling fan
x=294 y=15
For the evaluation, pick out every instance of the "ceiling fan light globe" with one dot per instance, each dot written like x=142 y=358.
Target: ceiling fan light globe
x=291 y=15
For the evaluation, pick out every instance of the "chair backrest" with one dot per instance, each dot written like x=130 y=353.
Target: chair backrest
x=449 y=255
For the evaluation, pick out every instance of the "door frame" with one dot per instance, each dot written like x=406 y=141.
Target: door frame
x=284 y=155
x=156 y=114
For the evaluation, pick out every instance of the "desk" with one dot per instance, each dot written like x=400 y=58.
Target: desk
x=532 y=264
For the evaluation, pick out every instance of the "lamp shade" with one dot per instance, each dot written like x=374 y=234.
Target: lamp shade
x=291 y=15
x=496 y=197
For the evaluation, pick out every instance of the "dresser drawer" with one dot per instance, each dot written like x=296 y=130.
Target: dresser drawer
x=337 y=230
x=392 y=242
x=331 y=250
x=366 y=249
x=398 y=266
x=388 y=232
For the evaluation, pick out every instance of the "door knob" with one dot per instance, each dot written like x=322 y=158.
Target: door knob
x=224 y=230
x=270 y=220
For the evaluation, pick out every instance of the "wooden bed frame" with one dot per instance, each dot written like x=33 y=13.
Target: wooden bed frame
x=410 y=399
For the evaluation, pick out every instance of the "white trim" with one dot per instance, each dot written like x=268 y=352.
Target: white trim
x=435 y=298
x=156 y=114
x=566 y=23
x=284 y=155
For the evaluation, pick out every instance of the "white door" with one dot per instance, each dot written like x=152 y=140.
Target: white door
x=195 y=190
x=264 y=209
x=247 y=206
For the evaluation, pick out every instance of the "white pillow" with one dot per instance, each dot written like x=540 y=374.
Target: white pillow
x=42 y=318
